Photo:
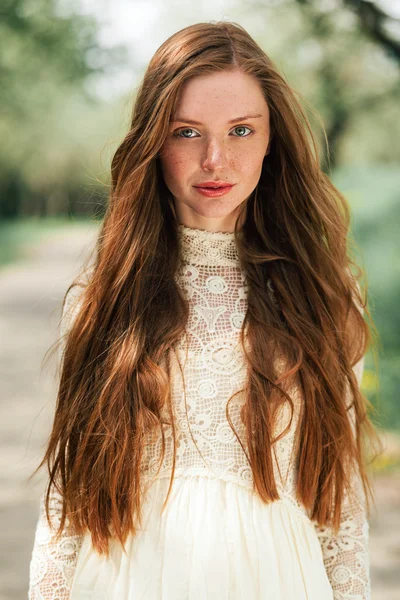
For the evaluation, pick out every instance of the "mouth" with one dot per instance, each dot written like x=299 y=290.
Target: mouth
x=208 y=186
x=214 y=190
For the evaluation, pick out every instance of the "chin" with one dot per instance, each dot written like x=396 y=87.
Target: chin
x=220 y=214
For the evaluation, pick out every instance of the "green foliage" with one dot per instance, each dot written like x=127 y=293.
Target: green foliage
x=338 y=69
x=18 y=237
x=373 y=192
x=41 y=50
x=47 y=61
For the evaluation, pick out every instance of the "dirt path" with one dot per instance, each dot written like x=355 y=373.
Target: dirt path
x=31 y=293
x=30 y=298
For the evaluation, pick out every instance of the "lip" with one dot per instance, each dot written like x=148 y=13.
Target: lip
x=214 y=184
x=214 y=192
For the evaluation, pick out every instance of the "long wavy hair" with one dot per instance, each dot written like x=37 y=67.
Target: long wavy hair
x=131 y=312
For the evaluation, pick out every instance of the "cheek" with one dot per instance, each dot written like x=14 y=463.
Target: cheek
x=175 y=165
x=248 y=162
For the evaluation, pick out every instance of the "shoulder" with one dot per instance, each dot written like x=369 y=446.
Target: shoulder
x=72 y=303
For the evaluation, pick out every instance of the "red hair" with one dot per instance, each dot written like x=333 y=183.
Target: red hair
x=131 y=312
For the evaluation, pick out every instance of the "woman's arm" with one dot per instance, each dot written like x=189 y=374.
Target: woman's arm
x=346 y=555
x=53 y=562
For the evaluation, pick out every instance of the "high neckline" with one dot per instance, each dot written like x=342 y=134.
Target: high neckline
x=204 y=247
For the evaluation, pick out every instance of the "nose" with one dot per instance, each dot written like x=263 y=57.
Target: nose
x=215 y=156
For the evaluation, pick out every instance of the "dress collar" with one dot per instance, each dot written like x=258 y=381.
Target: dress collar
x=204 y=247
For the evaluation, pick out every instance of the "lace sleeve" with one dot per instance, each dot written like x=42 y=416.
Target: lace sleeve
x=346 y=555
x=53 y=561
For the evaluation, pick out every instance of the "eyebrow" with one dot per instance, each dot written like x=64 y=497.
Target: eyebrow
x=192 y=122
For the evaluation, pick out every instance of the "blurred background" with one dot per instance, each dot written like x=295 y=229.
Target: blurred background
x=69 y=73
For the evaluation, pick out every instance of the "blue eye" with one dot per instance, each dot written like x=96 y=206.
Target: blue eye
x=188 y=137
x=244 y=127
x=177 y=133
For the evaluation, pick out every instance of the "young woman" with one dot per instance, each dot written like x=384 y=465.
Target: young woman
x=209 y=432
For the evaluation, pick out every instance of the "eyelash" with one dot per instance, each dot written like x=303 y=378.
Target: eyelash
x=178 y=131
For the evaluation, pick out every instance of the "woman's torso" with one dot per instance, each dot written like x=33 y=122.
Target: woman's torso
x=216 y=538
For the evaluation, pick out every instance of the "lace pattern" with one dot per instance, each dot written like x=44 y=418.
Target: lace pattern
x=213 y=368
x=53 y=562
x=346 y=554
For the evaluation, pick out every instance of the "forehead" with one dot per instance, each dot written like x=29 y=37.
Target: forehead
x=222 y=95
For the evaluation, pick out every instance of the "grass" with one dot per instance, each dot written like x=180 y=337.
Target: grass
x=18 y=236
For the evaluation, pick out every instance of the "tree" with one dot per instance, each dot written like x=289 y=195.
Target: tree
x=341 y=68
x=45 y=59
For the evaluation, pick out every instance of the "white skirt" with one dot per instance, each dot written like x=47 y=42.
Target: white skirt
x=215 y=540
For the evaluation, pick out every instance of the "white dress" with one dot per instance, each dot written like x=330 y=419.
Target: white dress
x=216 y=539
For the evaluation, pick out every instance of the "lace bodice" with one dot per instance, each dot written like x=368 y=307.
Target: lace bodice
x=213 y=367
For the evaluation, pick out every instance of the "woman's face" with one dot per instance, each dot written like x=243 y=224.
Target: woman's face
x=220 y=132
